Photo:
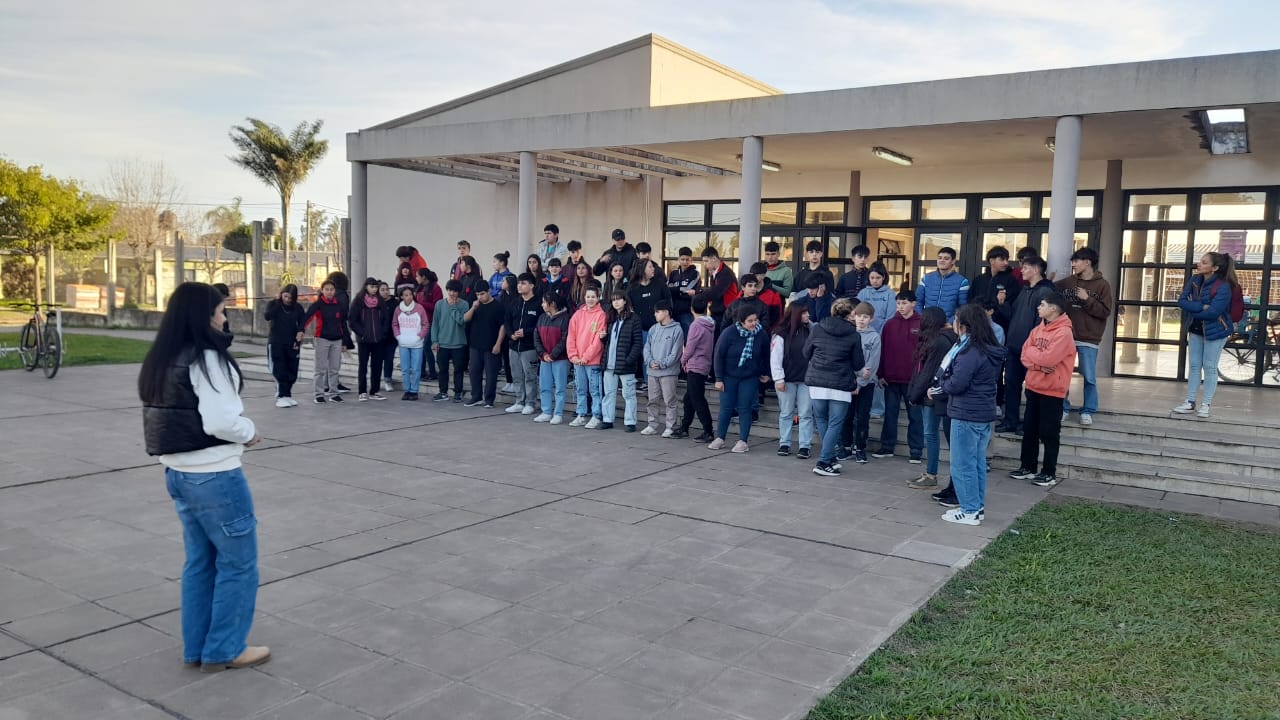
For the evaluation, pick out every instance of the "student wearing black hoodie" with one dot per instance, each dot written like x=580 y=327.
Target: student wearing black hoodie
x=935 y=340
x=621 y=253
x=370 y=319
x=283 y=343
x=834 y=353
x=1025 y=317
x=331 y=340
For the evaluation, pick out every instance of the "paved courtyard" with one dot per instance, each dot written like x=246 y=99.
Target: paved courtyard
x=425 y=560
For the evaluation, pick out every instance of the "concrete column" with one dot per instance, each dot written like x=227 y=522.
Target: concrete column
x=179 y=258
x=853 y=216
x=1066 y=177
x=749 y=234
x=51 y=292
x=158 y=272
x=1109 y=247
x=528 y=207
x=256 y=285
x=113 y=278
x=359 y=214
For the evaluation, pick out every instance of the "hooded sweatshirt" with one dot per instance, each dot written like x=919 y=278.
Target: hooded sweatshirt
x=410 y=325
x=1050 y=345
x=1025 y=316
x=663 y=347
x=870 y=356
x=898 y=341
x=330 y=317
x=552 y=336
x=696 y=357
x=1089 y=316
x=970 y=383
x=584 y=334
x=449 y=329
x=885 y=302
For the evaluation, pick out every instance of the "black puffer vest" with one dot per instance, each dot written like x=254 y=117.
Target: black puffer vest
x=173 y=424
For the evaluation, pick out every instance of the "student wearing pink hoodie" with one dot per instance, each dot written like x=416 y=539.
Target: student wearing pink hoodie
x=696 y=362
x=586 y=352
x=410 y=326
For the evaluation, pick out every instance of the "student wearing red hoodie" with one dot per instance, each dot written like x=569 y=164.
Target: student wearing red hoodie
x=551 y=343
x=1049 y=356
x=586 y=353
x=898 y=342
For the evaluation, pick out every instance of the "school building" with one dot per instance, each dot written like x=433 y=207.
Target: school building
x=1151 y=163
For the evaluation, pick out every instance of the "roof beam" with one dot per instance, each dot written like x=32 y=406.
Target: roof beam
x=446 y=170
x=672 y=163
x=490 y=165
x=605 y=161
x=571 y=172
x=587 y=167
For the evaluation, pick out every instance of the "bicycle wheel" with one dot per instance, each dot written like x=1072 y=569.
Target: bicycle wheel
x=1236 y=364
x=29 y=345
x=52 y=351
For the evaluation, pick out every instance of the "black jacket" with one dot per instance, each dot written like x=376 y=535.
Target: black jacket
x=1025 y=316
x=679 y=281
x=986 y=286
x=629 y=349
x=795 y=364
x=625 y=257
x=802 y=278
x=286 y=322
x=645 y=297
x=370 y=324
x=173 y=424
x=331 y=320
x=522 y=314
x=834 y=352
x=922 y=378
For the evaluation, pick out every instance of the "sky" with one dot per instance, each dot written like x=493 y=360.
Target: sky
x=85 y=85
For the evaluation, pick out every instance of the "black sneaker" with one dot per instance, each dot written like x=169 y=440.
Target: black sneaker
x=473 y=403
x=321 y=399
x=946 y=500
x=825 y=469
x=844 y=454
x=680 y=433
x=439 y=397
x=1005 y=427
x=1044 y=481
x=405 y=396
x=882 y=453
x=343 y=388
x=755 y=416
x=336 y=398
x=704 y=438
x=631 y=428
x=860 y=456
x=412 y=396
x=784 y=450
x=605 y=426
x=1022 y=474
x=458 y=398
x=803 y=453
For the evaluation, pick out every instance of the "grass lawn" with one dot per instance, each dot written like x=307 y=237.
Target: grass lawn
x=1089 y=611
x=83 y=350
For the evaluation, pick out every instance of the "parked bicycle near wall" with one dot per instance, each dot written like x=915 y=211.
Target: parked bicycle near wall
x=40 y=342
x=1257 y=341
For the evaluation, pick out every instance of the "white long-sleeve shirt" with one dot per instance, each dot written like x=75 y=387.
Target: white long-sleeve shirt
x=222 y=415
x=777 y=348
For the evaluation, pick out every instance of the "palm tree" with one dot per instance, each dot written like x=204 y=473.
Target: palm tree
x=279 y=160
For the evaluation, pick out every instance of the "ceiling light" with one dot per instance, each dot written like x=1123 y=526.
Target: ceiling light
x=766 y=165
x=891 y=156
x=1222 y=131
x=1051 y=143
x=1222 y=115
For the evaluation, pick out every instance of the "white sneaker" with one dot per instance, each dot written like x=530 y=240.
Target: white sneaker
x=292 y=402
x=1185 y=408
x=283 y=403
x=649 y=430
x=593 y=423
x=960 y=517
x=668 y=433
x=578 y=421
x=544 y=417
x=1086 y=419
x=1066 y=416
x=364 y=397
x=514 y=408
x=528 y=410
x=508 y=389
x=1203 y=412
x=557 y=419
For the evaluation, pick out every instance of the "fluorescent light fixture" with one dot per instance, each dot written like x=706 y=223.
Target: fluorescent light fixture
x=766 y=165
x=1051 y=143
x=893 y=157
x=1225 y=115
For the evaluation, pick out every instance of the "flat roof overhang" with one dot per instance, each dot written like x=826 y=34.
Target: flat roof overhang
x=1130 y=110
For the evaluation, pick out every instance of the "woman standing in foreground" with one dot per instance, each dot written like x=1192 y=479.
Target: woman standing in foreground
x=1206 y=306
x=193 y=419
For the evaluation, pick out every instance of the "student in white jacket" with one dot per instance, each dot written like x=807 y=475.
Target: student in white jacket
x=193 y=420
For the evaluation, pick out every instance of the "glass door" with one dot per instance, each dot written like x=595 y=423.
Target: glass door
x=929 y=242
x=838 y=243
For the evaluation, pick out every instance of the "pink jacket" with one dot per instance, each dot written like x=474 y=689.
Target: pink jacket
x=584 y=335
x=696 y=357
x=415 y=324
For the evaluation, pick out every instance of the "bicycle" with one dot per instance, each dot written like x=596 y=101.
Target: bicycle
x=40 y=342
x=1238 y=363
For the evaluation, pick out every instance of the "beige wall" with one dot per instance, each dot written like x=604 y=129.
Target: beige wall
x=618 y=82
x=679 y=79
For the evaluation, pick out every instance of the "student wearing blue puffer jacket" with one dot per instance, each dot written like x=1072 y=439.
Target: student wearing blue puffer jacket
x=1206 y=305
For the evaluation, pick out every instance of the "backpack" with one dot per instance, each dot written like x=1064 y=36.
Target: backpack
x=1237 y=304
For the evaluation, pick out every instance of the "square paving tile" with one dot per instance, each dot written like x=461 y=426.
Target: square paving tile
x=230 y=695
x=798 y=663
x=457 y=607
x=607 y=696
x=59 y=625
x=317 y=661
x=667 y=670
x=591 y=646
x=462 y=702
x=32 y=672
x=101 y=651
x=459 y=653
x=756 y=696
x=519 y=625
x=383 y=688
x=713 y=640
x=530 y=678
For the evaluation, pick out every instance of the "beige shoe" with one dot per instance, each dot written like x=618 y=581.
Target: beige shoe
x=740 y=447
x=926 y=480
x=252 y=655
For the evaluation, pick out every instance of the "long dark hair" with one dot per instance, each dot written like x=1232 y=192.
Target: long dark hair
x=540 y=272
x=1226 y=268
x=637 y=271
x=625 y=312
x=186 y=327
x=341 y=282
x=977 y=326
x=790 y=323
x=932 y=322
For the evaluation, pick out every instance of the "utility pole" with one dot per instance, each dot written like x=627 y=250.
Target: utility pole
x=307 y=241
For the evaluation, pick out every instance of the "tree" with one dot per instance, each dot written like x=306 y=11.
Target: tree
x=39 y=212
x=143 y=191
x=278 y=160
x=225 y=218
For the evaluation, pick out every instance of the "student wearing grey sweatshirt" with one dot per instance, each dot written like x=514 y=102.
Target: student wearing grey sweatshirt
x=853 y=436
x=662 y=360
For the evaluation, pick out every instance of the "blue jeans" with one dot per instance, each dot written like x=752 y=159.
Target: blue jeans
x=791 y=402
x=587 y=380
x=552 y=373
x=932 y=438
x=1087 y=358
x=828 y=416
x=1203 y=356
x=877 y=402
x=411 y=367
x=895 y=395
x=220 y=575
x=610 y=402
x=739 y=393
x=686 y=321
x=969 y=463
